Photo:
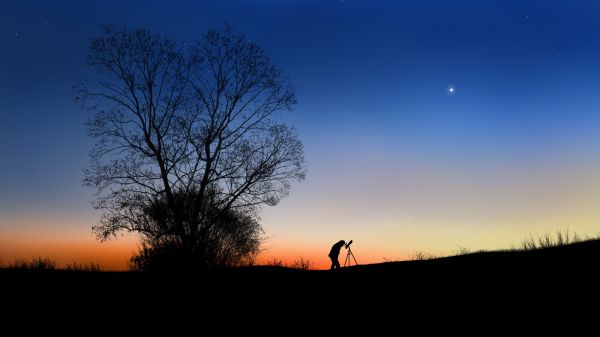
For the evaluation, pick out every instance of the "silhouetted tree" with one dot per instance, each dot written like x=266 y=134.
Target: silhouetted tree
x=190 y=144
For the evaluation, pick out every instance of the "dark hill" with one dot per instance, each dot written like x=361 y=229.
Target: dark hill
x=510 y=284
x=576 y=259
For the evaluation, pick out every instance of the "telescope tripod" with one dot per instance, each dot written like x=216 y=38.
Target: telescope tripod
x=349 y=255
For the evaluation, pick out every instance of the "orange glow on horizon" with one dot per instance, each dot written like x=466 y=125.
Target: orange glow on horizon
x=114 y=255
x=111 y=256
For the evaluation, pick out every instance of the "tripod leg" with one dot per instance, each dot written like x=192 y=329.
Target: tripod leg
x=356 y=263
x=347 y=261
x=348 y=257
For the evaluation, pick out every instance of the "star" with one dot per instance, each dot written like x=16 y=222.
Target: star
x=451 y=90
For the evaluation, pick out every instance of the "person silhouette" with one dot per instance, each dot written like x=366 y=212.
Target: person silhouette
x=334 y=253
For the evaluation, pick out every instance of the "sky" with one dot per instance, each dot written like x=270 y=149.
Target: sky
x=428 y=126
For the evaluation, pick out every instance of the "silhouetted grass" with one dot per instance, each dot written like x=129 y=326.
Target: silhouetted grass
x=530 y=243
x=90 y=267
x=47 y=264
x=301 y=264
x=547 y=240
x=38 y=263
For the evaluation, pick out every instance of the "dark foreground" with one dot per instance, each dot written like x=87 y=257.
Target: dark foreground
x=556 y=280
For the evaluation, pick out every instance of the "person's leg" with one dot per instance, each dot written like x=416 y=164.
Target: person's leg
x=332 y=263
x=337 y=263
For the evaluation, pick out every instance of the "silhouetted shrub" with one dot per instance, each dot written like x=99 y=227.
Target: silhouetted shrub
x=462 y=251
x=275 y=263
x=224 y=238
x=302 y=264
x=419 y=256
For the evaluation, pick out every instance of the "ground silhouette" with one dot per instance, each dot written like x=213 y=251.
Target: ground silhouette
x=502 y=288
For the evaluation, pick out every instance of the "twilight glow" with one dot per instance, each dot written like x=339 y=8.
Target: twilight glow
x=427 y=125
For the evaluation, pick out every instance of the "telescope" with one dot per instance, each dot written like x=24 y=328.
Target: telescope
x=349 y=255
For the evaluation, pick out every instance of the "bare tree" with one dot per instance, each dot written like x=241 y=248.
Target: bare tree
x=190 y=140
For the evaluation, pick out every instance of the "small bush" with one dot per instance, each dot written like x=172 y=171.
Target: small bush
x=275 y=263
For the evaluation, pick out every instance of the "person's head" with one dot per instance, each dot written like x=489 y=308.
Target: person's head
x=342 y=242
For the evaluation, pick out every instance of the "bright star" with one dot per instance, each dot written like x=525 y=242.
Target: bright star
x=451 y=90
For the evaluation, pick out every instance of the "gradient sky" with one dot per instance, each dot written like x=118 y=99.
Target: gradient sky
x=396 y=161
